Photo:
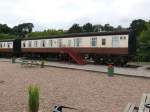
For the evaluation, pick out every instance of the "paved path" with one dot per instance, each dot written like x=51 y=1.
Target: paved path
x=139 y=71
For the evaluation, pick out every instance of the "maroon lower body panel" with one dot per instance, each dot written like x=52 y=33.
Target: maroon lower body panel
x=6 y=50
x=77 y=50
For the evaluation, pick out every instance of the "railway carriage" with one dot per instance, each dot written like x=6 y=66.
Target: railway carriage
x=101 y=47
x=10 y=47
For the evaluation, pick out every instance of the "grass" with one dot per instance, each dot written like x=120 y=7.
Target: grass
x=33 y=98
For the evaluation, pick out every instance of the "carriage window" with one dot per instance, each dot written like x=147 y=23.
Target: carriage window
x=103 y=41
x=123 y=37
x=43 y=43
x=8 y=45
x=35 y=43
x=115 y=41
x=69 y=43
x=4 y=45
x=24 y=45
x=51 y=43
x=55 y=42
x=29 y=43
x=94 y=42
x=1 y=45
x=59 y=42
x=77 y=42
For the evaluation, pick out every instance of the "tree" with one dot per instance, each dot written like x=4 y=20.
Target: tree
x=107 y=27
x=119 y=28
x=5 y=29
x=75 y=28
x=88 y=27
x=144 y=43
x=144 y=37
x=23 y=29
x=138 y=26
x=98 y=28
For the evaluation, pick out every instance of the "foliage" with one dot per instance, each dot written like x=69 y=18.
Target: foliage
x=98 y=28
x=46 y=33
x=144 y=44
x=88 y=27
x=33 y=98
x=7 y=36
x=75 y=28
x=138 y=26
x=141 y=30
x=108 y=27
x=22 y=29
x=145 y=35
x=5 y=29
x=120 y=28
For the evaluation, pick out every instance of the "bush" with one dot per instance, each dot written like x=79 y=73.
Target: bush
x=33 y=98
x=46 y=33
x=7 y=36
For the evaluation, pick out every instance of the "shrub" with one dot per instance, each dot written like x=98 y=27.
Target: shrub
x=42 y=63
x=33 y=98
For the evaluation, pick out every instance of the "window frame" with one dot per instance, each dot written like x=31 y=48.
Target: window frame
x=4 y=45
x=1 y=46
x=50 y=43
x=8 y=45
x=103 y=41
x=30 y=44
x=35 y=43
x=23 y=44
x=59 y=42
x=43 y=43
x=94 y=41
x=77 y=42
x=69 y=42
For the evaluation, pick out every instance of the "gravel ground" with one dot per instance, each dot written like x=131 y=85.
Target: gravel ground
x=86 y=91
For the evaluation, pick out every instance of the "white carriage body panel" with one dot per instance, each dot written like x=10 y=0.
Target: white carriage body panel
x=124 y=41
x=109 y=41
x=8 y=44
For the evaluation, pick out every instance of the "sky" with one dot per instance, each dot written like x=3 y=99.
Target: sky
x=61 y=14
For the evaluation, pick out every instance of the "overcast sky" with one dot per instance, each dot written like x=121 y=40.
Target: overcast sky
x=61 y=14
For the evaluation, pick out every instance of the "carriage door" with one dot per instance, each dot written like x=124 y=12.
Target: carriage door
x=115 y=41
